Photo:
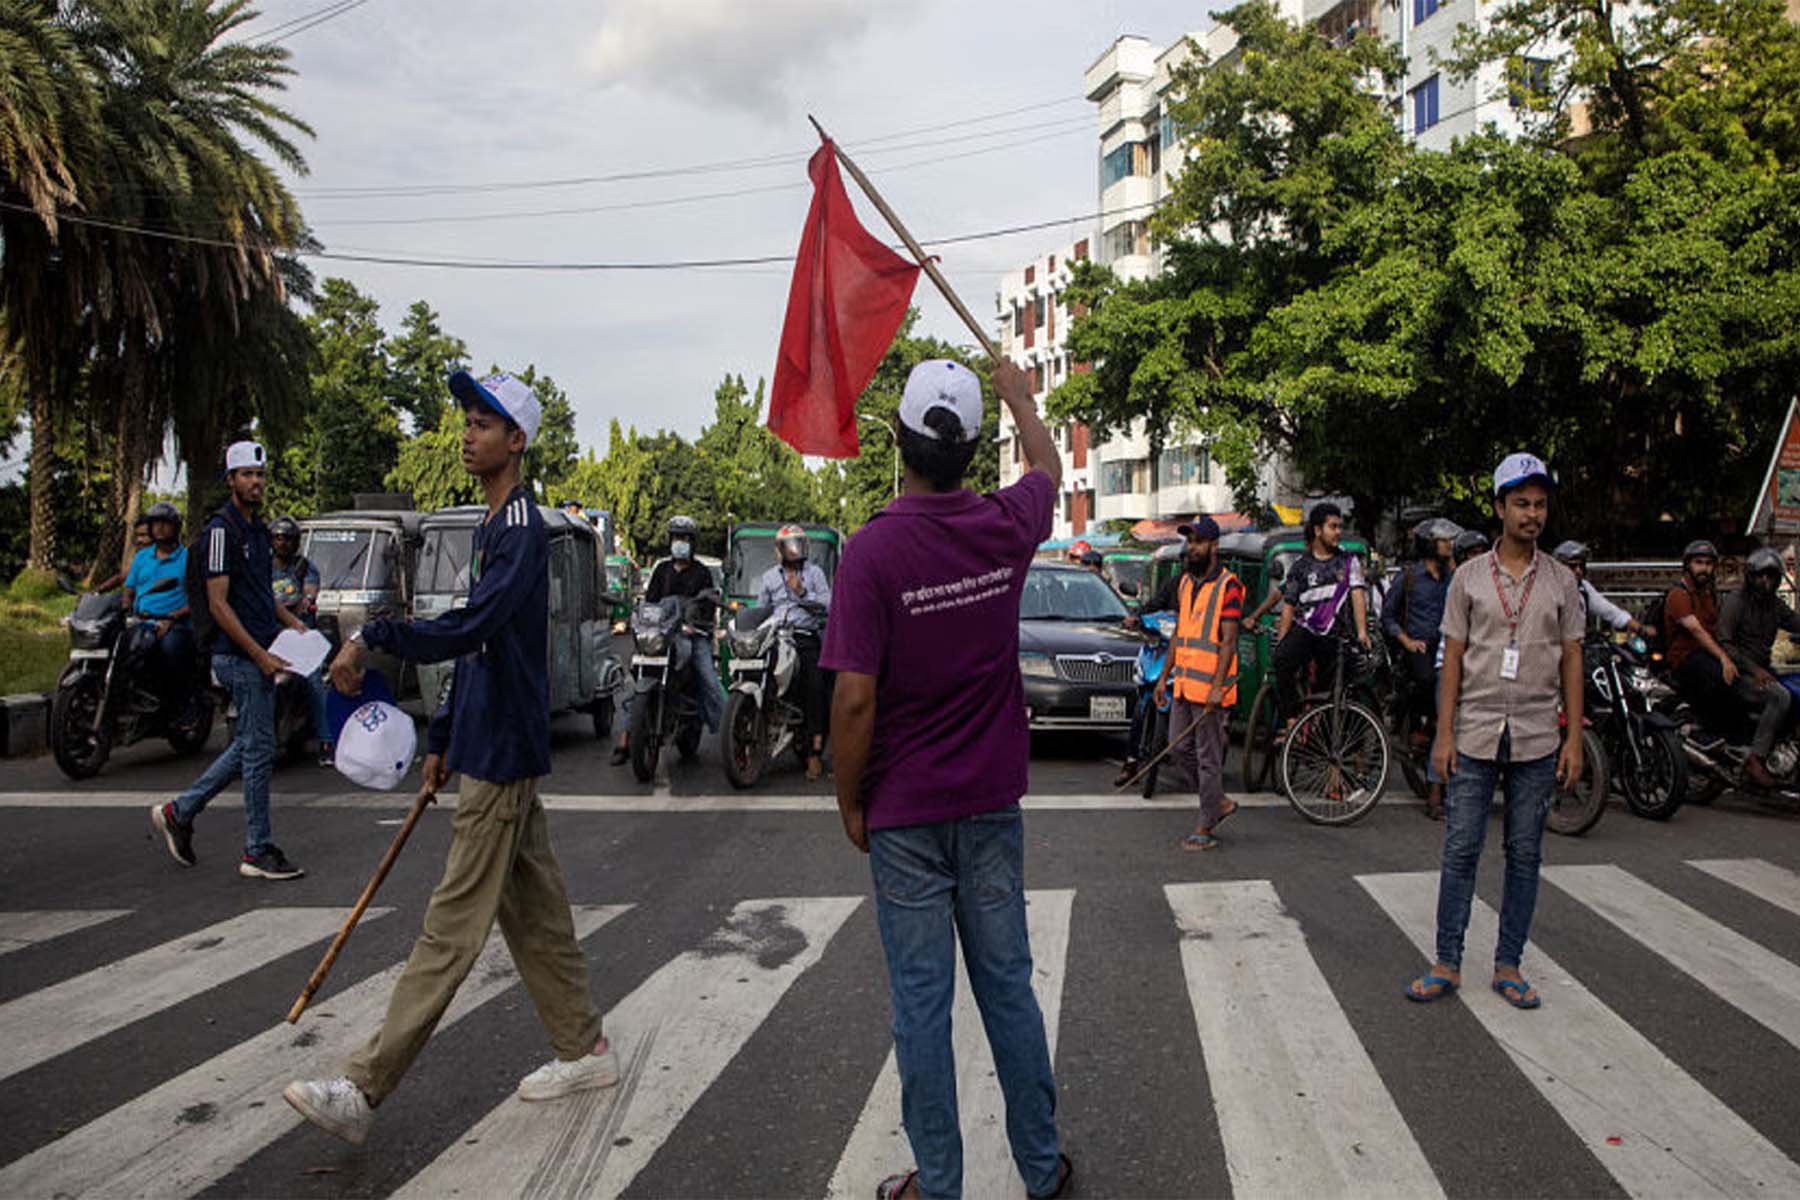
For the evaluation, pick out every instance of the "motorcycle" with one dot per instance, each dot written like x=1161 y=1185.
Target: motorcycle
x=1152 y=660
x=102 y=699
x=765 y=706
x=666 y=635
x=1716 y=758
x=1643 y=747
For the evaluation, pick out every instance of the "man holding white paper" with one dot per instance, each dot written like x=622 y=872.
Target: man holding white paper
x=247 y=622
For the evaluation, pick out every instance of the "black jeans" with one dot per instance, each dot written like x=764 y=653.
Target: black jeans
x=1421 y=680
x=1292 y=654
x=816 y=693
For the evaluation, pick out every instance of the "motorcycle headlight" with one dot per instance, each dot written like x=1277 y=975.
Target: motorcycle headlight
x=743 y=644
x=86 y=635
x=650 y=641
x=1033 y=663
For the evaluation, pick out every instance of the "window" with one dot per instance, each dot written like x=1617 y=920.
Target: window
x=1132 y=237
x=1037 y=311
x=1528 y=82
x=1425 y=8
x=1115 y=166
x=1184 y=466
x=1124 y=476
x=1018 y=320
x=1165 y=130
x=1425 y=105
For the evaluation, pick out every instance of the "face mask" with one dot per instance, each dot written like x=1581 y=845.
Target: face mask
x=682 y=550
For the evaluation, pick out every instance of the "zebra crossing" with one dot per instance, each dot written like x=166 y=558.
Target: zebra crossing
x=1300 y=1104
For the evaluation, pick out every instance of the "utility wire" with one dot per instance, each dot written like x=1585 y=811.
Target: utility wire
x=727 y=165
x=399 y=260
x=624 y=206
x=324 y=16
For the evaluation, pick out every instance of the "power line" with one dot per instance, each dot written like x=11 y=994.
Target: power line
x=301 y=19
x=708 y=168
x=450 y=263
x=624 y=206
x=323 y=17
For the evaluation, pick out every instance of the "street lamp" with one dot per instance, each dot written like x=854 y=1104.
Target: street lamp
x=893 y=437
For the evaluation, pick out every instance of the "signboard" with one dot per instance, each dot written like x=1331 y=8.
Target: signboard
x=1778 y=504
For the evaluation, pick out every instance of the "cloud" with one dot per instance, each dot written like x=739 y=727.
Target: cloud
x=735 y=52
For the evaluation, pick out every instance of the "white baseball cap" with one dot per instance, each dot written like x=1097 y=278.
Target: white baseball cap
x=505 y=394
x=375 y=747
x=244 y=454
x=940 y=383
x=1515 y=469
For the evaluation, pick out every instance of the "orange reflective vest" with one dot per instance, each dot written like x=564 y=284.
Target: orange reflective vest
x=1199 y=656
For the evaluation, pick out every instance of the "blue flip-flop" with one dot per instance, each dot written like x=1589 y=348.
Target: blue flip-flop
x=1200 y=841
x=1513 y=992
x=1446 y=987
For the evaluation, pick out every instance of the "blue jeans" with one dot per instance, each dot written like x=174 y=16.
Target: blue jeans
x=251 y=753
x=934 y=883
x=1530 y=791
x=315 y=685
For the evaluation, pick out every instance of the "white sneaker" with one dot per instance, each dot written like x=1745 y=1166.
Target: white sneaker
x=335 y=1105
x=559 y=1078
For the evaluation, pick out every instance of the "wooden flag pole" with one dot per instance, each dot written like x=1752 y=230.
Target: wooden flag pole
x=918 y=251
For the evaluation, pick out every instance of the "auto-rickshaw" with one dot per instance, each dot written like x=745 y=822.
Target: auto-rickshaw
x=1127 y=571
x=366 y=560
x=621 y=579
x=750 y=551
x=584 y=672
x=1260 y=558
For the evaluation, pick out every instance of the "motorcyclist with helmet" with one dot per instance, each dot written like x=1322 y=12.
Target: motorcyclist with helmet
x=1467 y=545
x=166 y=638
x=1574 y=555
x=680 y=575
x=782 y=587
x=296 y=584
x=1092 y=561
x=1703 y=672
x=1748 y=621
x=1410 y=615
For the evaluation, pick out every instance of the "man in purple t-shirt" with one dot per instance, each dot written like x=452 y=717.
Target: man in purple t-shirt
x=932 y=748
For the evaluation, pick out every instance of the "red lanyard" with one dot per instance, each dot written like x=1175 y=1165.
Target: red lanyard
x=1524 y=599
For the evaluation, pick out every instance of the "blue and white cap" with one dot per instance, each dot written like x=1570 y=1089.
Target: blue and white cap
x=505 y=394
x=940 y=383
x=1519 y=468
x=376 y=745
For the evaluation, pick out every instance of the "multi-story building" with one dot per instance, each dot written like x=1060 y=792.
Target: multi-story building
x=1138 y=157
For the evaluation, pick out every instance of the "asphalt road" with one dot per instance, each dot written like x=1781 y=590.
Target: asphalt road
x=1225 y=1023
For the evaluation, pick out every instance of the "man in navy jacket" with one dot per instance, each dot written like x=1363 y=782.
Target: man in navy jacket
x=495 y=730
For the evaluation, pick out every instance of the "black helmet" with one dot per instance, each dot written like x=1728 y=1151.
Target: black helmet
x=1699 y=548
x=1091 y=559
x=1429 y=532
x=1763 y=561
x=1468 y=543
x=683 y=527
x=284 y=527
x=1571 y=552
x=162 y=510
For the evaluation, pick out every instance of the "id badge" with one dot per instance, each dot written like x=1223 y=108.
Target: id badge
x=1509 y=663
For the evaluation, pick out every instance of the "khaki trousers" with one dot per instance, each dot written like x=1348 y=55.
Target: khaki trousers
x=499 y=866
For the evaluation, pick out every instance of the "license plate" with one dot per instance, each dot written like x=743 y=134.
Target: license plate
x=88 y=653
x=1106 y=708
x=747 y=664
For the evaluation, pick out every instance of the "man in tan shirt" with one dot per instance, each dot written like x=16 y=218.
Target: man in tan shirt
x=1513 y=624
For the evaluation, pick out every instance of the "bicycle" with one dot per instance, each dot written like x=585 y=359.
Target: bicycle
x=1333 y=764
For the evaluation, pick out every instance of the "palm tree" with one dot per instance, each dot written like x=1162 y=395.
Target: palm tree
x=50 y=130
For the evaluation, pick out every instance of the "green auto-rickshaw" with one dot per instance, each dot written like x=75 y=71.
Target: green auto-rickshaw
x=1127 y=571
x=621 y=579
x=1260 y=558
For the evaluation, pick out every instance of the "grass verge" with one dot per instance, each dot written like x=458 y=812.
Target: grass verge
x=31 y=661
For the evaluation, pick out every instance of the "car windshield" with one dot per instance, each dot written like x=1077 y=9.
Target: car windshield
x=751 y=556
x=1068 y=596
x=341 y=555
x=1128 y=570
x=444 y=561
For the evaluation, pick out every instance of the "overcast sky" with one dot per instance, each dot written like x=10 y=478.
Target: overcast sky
x=419 y=93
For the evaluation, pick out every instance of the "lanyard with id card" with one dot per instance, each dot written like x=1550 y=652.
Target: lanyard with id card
x=1509 y=657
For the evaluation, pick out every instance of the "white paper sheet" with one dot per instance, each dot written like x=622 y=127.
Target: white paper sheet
x=302 y=650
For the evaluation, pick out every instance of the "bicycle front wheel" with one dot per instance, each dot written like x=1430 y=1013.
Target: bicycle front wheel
x=1334 y=763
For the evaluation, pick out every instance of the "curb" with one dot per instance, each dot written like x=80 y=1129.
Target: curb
x=24 y=724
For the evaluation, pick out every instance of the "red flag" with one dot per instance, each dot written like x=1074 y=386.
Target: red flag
x=847 y=300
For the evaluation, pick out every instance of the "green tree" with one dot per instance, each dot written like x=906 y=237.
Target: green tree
x=429 y=467
x=422 y=357
x=552 y=453
x=351 y=437
x=756 y=475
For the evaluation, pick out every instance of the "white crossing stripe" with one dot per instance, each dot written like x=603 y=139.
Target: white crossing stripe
x=1760 y=983
x=674 y=1035
x=185 y=1135
x=55 y=1019
x=1301 y=1109
x=21 y=929
x=878 y=1145
x=1778 y=885
x=1600 y=1074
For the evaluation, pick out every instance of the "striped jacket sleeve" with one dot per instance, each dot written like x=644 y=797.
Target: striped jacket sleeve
x=513 y=554
x=219 y=549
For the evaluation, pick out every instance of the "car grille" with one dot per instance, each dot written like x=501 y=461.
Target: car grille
x=1086 y=668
